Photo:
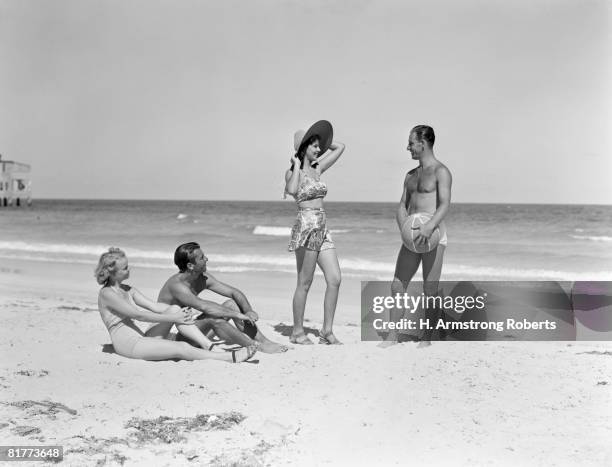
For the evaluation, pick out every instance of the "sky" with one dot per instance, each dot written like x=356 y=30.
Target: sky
x=149 y=99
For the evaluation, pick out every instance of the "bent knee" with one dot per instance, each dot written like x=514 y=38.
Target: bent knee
x=230 y=304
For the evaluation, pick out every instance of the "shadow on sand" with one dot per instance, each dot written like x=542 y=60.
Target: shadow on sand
x=285 y=330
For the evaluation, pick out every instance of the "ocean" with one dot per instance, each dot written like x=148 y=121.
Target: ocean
x=486 y=241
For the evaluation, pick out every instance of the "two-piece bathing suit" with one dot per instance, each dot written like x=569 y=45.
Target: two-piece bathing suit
x=310 y=228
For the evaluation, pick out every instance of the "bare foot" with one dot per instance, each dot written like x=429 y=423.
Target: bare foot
x=271 y=347
x=301 y=339
x=423 y=344
x=328 y=339
x=386 y=344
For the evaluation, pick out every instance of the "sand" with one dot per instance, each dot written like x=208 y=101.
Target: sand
x=477 y=403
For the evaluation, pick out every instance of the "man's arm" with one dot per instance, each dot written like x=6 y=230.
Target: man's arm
x=444 y=181
x=235 y=294
x=402 y=212
x=183 y=295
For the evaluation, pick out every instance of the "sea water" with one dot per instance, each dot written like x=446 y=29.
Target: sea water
x=485 y=241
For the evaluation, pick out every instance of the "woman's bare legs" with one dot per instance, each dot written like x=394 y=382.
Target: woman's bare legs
x=159 y=330
x=150 y=348
x=328 y=262
x=191 y=331
x=306 y=261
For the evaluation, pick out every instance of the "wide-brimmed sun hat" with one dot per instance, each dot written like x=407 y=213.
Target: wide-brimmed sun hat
x=323 y=129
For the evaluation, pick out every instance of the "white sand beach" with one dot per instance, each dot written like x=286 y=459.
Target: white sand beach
x=477 y=403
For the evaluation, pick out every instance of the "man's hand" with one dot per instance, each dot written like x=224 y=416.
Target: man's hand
x=251 y=314
x=184 y=316
x=245 y=317
x=424 y=232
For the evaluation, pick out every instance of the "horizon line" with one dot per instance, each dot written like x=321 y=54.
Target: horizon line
x=285 y=201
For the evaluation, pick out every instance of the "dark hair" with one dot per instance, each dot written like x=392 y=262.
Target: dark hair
x=424 y=133
x=301 y=152
x=184 y=254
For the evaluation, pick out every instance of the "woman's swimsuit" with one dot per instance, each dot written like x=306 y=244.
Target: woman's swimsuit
x=310 y=188
x=310 y=227
x=123 y=332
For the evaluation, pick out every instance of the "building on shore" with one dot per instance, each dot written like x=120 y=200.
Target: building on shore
x=15 y=184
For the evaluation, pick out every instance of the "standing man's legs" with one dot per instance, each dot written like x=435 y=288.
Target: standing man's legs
x=405 y=268
x=432 y=270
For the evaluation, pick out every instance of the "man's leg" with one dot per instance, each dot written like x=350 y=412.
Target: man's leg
x=432 y=270
x=405 y=268
x=223 y=330
x=252 y=331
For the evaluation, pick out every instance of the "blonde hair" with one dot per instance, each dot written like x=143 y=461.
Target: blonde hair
x=107 y=265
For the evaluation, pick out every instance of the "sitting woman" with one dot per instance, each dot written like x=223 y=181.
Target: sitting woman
x=118 y=304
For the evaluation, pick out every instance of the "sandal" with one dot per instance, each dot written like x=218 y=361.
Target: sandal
x=300 y=339
x=215 y=343
x=328 y=339
x=251 y=350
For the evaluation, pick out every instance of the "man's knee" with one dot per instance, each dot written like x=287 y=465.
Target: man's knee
x=430 y=288
x=231 y=304
x=397 y=286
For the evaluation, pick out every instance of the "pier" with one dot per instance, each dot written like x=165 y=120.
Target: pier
x=15 y=184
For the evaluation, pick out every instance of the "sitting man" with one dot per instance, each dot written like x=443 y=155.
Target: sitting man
x=183 y=288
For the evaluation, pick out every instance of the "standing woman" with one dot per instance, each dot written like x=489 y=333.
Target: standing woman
x=310 y=238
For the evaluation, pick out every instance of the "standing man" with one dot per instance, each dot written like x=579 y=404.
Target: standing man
x=427 y=189
x=183 y=288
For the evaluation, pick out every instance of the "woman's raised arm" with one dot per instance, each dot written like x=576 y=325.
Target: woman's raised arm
x=331 y=155
x=292 y=177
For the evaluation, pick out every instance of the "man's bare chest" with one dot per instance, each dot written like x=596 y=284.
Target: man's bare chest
x=424 y=182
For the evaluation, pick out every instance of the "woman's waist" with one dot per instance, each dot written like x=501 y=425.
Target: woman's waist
x=311 y=214
x=310 y=209
x=311 y=204
x=122 y=323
